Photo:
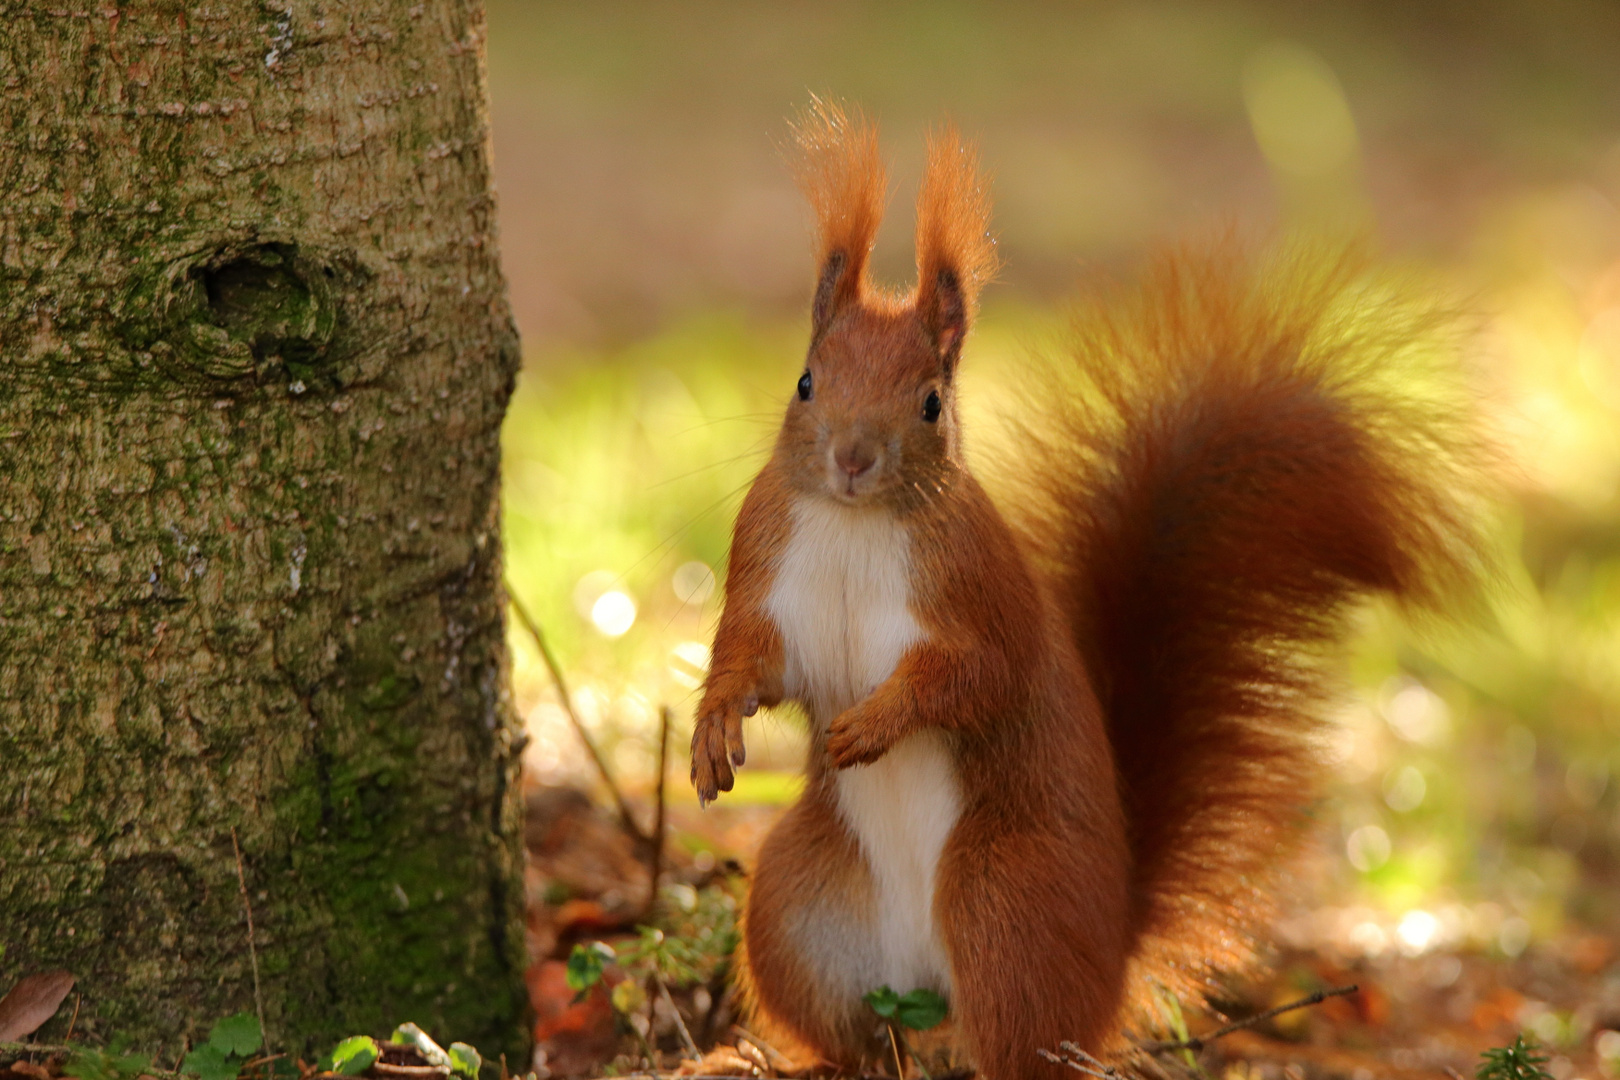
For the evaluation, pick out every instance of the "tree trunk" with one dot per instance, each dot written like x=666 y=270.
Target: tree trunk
x=256 y=352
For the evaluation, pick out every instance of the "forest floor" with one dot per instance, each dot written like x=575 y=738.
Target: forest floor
x=1419 y=1011
x=631 y=985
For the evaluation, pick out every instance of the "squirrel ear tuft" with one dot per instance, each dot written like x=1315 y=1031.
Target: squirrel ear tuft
x=841 y=173
x=956 y=255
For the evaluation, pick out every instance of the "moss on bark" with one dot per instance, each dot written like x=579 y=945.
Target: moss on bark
x=256 y=352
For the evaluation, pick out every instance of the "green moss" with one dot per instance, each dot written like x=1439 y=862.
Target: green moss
x=389 y=693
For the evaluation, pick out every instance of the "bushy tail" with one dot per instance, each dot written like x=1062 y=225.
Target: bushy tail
x=1244 y=452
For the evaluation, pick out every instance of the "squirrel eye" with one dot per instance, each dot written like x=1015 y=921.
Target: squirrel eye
x=931 y=407
x=804 y=386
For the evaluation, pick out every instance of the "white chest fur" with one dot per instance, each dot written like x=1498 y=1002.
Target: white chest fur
x=841 y=599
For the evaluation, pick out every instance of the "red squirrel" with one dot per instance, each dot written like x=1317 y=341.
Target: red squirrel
x=1055 y=755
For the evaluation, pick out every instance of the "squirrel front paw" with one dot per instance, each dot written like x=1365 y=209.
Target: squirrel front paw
x=717 y=747
x=855 y=737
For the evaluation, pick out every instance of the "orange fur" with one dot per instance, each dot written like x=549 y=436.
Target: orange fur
x=953 y=224
x=841 y=172
x=1124 y=680
x=1242 y=452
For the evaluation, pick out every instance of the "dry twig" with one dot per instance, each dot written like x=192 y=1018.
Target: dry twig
x=656 y=855
x=1204 y=1040
x=680 y=1024
x=9 y=1047
x=894 y=1044
x=1080 y=1061
x=625 y=817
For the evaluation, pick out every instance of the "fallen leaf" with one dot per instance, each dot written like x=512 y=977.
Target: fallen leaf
x=31 y=1002
x=577 y=917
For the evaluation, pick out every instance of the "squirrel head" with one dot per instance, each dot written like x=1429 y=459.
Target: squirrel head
x=873 y=419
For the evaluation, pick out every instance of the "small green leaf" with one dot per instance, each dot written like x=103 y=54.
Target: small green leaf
x=209 y=1062
x=101 y=1065
x=628 y=997
x=353 y=1056
x=920 y=1010
x=239 y=1035
x=585 y=965
x=464 y=1059
x=883 y=1001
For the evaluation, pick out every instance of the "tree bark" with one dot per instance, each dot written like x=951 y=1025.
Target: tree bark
x=256 y=352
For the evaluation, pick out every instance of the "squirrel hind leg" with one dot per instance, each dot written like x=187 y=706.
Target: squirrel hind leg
x=809 y=939
x=1041 y=963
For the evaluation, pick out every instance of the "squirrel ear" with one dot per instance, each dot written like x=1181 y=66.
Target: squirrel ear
x=836 y=287
x=944 y=310
x=956 y=255
x=842 y=175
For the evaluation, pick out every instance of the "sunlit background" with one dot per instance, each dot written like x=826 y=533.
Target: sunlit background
x=659 y=263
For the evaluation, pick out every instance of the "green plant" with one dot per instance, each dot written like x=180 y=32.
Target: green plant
x=109 y=1064
x=352 y=1056
x=230 y=1043
x=356 y=1054
x=693 y=936
x=917 y=1010
x=1516 y=1062
x=1176 y=1021
x=585 y=964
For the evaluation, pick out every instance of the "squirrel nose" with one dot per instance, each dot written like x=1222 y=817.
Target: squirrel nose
x=854 y=458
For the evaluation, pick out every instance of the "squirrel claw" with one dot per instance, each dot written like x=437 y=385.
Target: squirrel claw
x=717 y=751
x=848 y=748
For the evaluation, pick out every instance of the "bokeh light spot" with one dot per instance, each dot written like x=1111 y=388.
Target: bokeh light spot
x=1416 y=931
x=1367 y=848
x=1298 y=111
x=614 y=613
x=693 y=583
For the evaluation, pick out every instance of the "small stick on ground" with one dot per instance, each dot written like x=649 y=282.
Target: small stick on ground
x=896 y=1037
x=894 y=1044
x=625 y=817
x=74 y=1019
x=653 y=1061
x=680 y=1025
x=253 y=950
x=656 y=857
x=1080 y=1061
x=1075 y=1065
x=8 y=1047
x=1236 y=1025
